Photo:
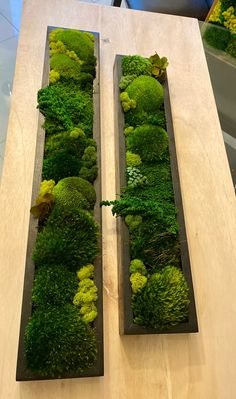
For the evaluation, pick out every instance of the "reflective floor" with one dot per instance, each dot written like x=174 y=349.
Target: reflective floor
x=223 y=79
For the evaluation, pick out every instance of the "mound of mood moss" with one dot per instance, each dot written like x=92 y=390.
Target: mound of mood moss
x=60 y=336
x=221 y=31
x=160 y=292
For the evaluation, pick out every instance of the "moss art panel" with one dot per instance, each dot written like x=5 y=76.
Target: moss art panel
x=60 y=338
x=221 y=30
x=158 y=292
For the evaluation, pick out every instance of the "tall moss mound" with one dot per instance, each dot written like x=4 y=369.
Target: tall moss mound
x=149 y=141
x=149 y=96
x=58 y=341
x=163 y=302
x=75 y=192
x=69 y=238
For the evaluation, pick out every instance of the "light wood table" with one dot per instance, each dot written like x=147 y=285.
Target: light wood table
x=188 y=366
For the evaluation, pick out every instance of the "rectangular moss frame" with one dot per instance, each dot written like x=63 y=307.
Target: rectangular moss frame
x=126 y=324
x=22 y=372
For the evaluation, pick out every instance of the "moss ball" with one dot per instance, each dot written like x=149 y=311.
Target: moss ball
x=148 y=95
x=60 y=165
x=53 y=286
x=217 y=37
x=74 y=192
x=163 y=302
x=69 y=238
x=58 y=341
x=149 y=141
x=65 y=66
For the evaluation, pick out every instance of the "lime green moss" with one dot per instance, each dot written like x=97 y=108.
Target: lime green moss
x=138 y=281
x=149 y=141
x=65 y=107
x=137 y=266
x=74 y=193
x=54 y=76
x=136 y=65
x=86 y=272
x=132 y=159
x=69 y=238
x=89 y=312
x=163 y=301
x=86 y=293
x=53 y=286
x=65 y=66
x=125 y=81
x=148 y=94
x=81 y=43
x=126 y=102
x=58 y=341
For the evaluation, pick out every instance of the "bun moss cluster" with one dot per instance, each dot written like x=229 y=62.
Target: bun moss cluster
x=146 y=204
x=60 y=337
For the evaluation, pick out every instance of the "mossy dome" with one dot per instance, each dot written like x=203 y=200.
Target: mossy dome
x=149 y=141
x=149 y=96
x=75 y=192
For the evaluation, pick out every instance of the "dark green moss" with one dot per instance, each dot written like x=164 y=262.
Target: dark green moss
x=216 y=36
x=60 y=165
x=74 y=192
x=69 y=238
x=149 y=141
x=53 y=286
x=72 y=145
x=136 y=65
x=163 y=301
x=58 y=341
x=65 y=106
x=89 y=174
x=231 y=47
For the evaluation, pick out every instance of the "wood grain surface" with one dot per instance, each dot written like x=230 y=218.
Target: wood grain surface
x=188 y=366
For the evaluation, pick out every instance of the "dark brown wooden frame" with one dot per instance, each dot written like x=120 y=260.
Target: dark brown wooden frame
x=22 y=372
x=127 y=326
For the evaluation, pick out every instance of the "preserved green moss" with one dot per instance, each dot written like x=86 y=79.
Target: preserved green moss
x=65 y=66
x=65 y=106
x=163 y=301
x=60 y=165
x=136 y=65
x=58 y=341
x=148 y=94
x=74 y=192
x=53 y=286
x=137 y=266
x=216 y=36
x=69 y=238
x=138 y=281
x=89 y=174
x=149 y=141
x=231 y=47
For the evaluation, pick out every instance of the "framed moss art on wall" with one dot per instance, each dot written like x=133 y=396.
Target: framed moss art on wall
x=155 y=284
x=61 y=333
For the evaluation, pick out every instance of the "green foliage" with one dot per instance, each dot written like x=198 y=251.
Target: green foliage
x=60 y=165
x=74 y=193
x=85 y=272
x=136 y=65
x=58 y=341
x=65 y=106
x=138 y=281
x=137 y=266
x=216 y=36
x=128 y=130
x=65 y=66
x=69 y=238
x=125 y=81
x=126 y=102
x=159 y=66
x=148 y=94
x=149 y=141
x=231 y=47
x=163 y=302
x=53 y=286
x=132 y=159
x=81 y=43
x=66 y=142
x=157 y=119
x=135 y=177
x=89 y=312
x=54 y=76
x=133 y=221
x=89 y=157
x=89 y=174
